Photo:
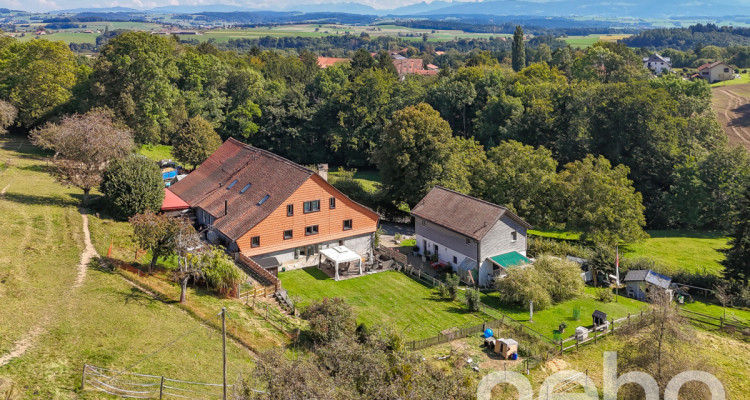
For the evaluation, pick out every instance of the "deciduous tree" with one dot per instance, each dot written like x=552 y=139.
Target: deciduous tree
x=601 y=201
x=156 y=233
x=83 y=146
x=418 y=152
x=737 y=262
x=8 y=115
x=195 y=142
x=132 y=185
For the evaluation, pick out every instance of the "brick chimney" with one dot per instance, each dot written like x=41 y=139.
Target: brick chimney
x=323 y=171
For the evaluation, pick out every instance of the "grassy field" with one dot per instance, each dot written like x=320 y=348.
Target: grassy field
x=246 y=323
x=681 y=250
x=384 y=298
x=588 y=40
x=691 y=251
x=744 y=78
x=546 y=321
x=105 y=322
x=156 y=152
x=67 y=37
x=369 y=178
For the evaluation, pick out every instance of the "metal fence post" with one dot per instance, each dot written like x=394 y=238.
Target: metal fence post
x=83 y=377
x=161 y=388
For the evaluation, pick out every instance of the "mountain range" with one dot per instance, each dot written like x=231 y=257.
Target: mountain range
x=550 y=8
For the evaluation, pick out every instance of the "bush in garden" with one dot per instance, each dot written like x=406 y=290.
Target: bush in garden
x=220 y=271
x=451 y=282
x=605 y=295
x=539 y=246
x=522 y=285
x=132 y=185
x=472 y=299
x=442 y=290
x=562 y=278
x=329 y=320
x=577 y=313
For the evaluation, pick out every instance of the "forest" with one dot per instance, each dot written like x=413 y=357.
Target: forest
x=568 y=138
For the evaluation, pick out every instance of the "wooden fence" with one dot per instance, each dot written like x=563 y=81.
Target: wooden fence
x=597 y=332
x=394 y=254
x=258 y=272
x=719 y=322
x=256 y=291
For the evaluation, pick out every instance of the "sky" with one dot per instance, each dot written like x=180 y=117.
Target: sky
x=49 y=5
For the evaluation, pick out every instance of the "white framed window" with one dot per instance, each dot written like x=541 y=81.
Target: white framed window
x=513 y=236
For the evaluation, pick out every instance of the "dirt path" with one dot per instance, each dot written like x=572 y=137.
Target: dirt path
x=732 y=107
x=21 y=346
x=89 y=252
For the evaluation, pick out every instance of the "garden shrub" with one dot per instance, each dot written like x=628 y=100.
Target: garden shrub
x=329 y=320
x=472 y=299
x=561 y=277
x=539 y=246
x=577 y=313
x=442 y=290
x=523 y=285
x=605 y=295
x=451 y=282
x=220 y=271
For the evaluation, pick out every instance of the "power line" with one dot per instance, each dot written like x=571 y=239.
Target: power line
x=154 y=353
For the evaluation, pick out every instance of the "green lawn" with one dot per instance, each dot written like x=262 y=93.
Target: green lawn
x=156 y=152
x=384 y=298
x=546 y=321
x=368 y=177
x=744 y=78
x=682 y=250
x=588 y=40
x=718 y=311
x=555 y=234
x=105 y=322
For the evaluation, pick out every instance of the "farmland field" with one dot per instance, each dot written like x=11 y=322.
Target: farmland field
x=105 y=321
x=588 y=40
x=732 y=106
x=682 y=250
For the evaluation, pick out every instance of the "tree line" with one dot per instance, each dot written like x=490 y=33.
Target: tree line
x=595 y=110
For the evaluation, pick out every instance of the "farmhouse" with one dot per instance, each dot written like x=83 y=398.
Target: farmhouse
x=479 y=239
x=271 y=209
x=657 y=63
x=325 y=62
x=716 y=72
x=639 y=283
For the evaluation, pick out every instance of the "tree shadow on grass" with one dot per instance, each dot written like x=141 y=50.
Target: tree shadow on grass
x=136 y=296
x=31 y=199
x=23 y=148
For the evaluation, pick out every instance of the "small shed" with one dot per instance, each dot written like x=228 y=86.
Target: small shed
x=600 y=318
x=468 y=271
x=638 y=283
x=506 y=347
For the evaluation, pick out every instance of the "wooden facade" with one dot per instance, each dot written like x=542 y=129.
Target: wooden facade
x=270 y=232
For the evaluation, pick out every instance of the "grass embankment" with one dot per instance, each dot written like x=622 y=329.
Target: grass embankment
x=691 y=251
x=247 y=323
x=105 y=322
x=369 y=178
x=384 y=298
x=744 y=78
x=156 y=152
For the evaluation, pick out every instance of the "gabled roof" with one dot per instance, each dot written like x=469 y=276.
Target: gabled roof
x=659 y=57
x=211 y=185
x=641 y=275
x=461 y=213
x=173 y=202
x=326 y=62
x=711 y=65
x=407 y=66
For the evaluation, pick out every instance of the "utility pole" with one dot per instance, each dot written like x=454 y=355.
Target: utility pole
x=224 y=346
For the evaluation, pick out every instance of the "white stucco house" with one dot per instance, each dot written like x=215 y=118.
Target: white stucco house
x=657 y=63
x=479 y=239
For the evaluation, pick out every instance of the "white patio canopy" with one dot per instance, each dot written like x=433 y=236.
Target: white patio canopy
x=341 y=254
